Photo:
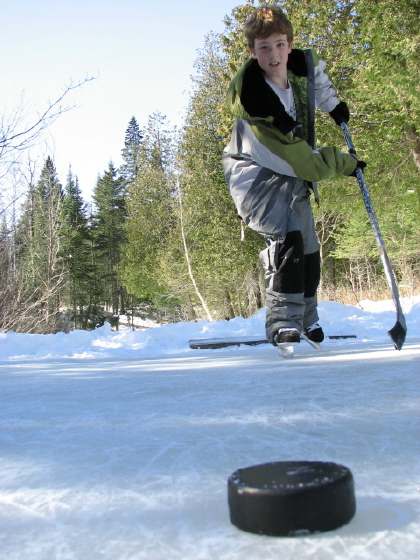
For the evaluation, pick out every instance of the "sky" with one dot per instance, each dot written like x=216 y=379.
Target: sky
x=140 y=53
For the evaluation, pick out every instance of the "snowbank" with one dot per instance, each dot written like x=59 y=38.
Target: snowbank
x=368 y=321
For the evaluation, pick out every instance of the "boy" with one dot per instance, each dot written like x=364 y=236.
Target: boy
x=271 y=163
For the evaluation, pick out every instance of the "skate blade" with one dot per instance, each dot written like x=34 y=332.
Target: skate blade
x=315 y=345
x=286 y=350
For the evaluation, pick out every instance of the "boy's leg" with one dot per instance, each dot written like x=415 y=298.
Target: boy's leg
x=302 y=207
x=312 y=278
x=284 y=265
x=268 y=208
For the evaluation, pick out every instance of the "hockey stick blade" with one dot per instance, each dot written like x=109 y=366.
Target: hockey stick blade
x=397 y=334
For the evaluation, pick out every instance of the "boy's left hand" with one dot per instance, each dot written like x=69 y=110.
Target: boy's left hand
x=360 y=165
x=340 y=113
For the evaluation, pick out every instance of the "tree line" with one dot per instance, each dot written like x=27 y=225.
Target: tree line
x=163 y=236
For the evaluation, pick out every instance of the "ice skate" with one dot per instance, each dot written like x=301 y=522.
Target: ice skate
x=285 y=340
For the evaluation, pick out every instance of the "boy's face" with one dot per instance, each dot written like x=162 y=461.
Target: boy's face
x=272 y=54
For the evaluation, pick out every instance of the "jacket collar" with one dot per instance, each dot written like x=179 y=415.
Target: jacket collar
x=259 y=100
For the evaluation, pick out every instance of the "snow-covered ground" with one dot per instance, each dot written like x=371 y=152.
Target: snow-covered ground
x=118 y=445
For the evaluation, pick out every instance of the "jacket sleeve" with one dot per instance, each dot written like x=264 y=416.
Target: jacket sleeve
x=245 y=146
x=325 y=94
x=310 y=165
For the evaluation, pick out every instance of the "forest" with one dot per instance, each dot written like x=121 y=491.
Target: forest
x=162 y=238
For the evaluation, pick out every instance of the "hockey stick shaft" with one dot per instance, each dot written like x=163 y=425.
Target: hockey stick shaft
x=399 y=330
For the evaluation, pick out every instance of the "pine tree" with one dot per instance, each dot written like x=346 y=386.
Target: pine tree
x=6 y=256
x=77 y=252
x=131 y=152
x=39 y=266
x=150 y=203
x=108 y=229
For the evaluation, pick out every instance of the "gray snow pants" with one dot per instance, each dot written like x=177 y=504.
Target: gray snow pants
x=278 y=207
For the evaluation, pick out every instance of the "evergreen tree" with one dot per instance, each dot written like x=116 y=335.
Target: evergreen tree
x=40 y=271
x=150 y=203
x=378 y=78
x=47 y=237
x=108 y=229
x=77 y=252
x=388 y=124
x=226 y=267
x=6 y=256
x=131 y=152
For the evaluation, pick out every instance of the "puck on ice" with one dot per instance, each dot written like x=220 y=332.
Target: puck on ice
x=290 y=498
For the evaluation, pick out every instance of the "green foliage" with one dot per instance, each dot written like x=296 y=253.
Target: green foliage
x=211 y=227
x=387 y=89
x=44 y=261
x=164 y=226
x=373 y=55
x=150 y=201
x=77 y=251
x=131 y=152
x=109 y=235
x=34 y=296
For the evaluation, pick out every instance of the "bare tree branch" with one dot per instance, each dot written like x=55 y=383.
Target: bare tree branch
x=17 y=136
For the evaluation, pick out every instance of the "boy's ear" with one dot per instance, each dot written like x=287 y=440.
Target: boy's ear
x=252 y=53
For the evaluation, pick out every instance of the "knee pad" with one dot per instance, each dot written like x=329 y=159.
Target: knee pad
x=312 y=273
x=289 y=277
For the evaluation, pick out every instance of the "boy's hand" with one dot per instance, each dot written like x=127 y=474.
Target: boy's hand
x=340 y=113
x=360 y=165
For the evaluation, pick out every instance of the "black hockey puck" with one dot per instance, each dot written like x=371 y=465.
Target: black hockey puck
x=290 y=498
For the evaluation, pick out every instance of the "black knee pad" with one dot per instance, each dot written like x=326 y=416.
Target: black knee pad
x=312 y=273
x=290 y=275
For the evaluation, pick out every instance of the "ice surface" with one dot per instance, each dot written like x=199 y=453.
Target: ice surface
x=118 y=445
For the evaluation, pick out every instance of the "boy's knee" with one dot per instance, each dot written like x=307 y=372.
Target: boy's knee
x=289 y=276
x=312 y=273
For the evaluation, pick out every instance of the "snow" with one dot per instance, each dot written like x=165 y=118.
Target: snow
x=118 y=445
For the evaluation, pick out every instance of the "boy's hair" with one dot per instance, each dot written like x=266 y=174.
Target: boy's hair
x=266 y=20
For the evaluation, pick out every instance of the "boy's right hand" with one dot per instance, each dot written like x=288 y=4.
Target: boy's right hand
x=340 y=113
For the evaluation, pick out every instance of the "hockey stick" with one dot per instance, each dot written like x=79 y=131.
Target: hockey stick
x=399 y=330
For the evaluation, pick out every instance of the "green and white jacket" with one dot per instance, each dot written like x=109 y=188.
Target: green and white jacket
x=266 y=136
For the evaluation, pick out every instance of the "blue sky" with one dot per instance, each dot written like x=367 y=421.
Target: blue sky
x=142 y=52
